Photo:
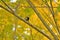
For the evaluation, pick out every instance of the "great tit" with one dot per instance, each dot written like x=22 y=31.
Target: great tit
x=27 y=18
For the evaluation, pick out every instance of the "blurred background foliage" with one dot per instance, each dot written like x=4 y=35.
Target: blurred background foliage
x=11 y=28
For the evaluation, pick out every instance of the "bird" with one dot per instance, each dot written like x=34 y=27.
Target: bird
x=27 y=18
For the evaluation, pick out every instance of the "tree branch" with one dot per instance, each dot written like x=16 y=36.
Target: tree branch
x=52 y=12
x=40 y=17
x=7 y=6
x=17 y=6
x=54 y=17
x=48 y=18
x=27 y=22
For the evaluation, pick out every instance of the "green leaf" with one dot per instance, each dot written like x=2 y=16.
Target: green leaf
x=58 y=8
x=8 y=28
x=28 y=11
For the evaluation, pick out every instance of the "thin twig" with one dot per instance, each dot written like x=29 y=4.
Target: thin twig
x=54 y=16
x=52 y=12
x=48 y=18
x=31 y=33
x=17 y=6
x=40 y=17
x=27 y=22
x=7 y=6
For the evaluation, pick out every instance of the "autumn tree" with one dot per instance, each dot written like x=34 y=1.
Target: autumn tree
x=39 y=20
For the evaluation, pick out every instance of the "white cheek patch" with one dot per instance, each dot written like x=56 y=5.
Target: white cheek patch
x=13 y=1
